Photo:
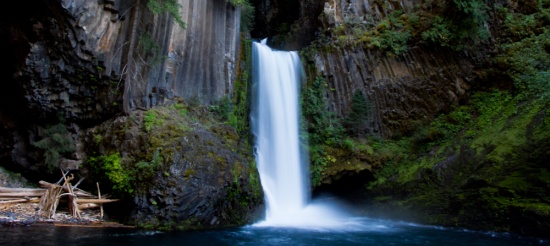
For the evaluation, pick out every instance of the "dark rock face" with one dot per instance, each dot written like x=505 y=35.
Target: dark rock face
x=54 y=71
x=80 y=57
x=404 y=91
x=8 y=179
x=205 y=177
x=199 y=191
x=87 y=61
x=290 y=25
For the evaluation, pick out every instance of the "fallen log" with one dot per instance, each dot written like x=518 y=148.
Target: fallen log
x=88 y=206
x=20 y=201
x=49 y=201
x=99 y=201
x=21 y=194
x=77 y=191
x=73 y=206
x=95 y=225
x=99 y=196
x=14 y=190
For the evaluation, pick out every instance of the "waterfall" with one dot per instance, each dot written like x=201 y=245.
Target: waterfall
x=281 y=163
x=277 y=76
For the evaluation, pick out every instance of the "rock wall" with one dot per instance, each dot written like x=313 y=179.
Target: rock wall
x=153 y=55
x=87 y=61
x=403 y=91
x=289 y=24
x=339 y=11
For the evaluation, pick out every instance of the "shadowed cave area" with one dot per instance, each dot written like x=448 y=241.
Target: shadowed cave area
x=348 y=186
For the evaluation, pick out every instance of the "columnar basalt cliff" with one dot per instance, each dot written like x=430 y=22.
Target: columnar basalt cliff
x=89 y=60
x=405 y=90
x=156 y=57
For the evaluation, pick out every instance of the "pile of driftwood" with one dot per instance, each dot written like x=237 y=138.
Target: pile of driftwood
x=50 y=195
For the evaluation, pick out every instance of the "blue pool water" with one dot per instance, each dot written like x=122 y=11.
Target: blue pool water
x=362 y=231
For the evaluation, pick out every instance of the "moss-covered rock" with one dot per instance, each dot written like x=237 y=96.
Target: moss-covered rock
x=180 y=167
x=492 y=175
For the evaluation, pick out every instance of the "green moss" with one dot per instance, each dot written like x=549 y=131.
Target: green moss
x=152 y=118
x=119 y=178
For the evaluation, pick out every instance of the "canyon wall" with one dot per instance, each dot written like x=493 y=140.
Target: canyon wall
x=90 y=59
x=154 y=56
x=83 y=62
x=404 y=90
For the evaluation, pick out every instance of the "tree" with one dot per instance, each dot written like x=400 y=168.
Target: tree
x=357 y=120
x=56 y=142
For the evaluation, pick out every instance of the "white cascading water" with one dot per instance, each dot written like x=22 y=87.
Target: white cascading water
x=277 y=75
x=275 y=120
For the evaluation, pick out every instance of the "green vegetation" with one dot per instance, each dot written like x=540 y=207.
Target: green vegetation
x=487 y=161
x=359 y=115
x=483 y=160
x=234 y=111
x=124 y=177
x=390 y=34
x=321 y=130
x=151 y=119
x=148 y=45
x=56 y=141
x=119 y=178
x=323 y=126
x=170 y=6
x=463 y=25
x=247 y=13
x=528 y=63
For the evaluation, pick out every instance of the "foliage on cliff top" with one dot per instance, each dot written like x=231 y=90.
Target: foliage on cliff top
x=247 y=13
x=459 y=24
x=170 y=6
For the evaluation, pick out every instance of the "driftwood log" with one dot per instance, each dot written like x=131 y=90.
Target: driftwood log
x=51 y=195
x=77 y=191
x=49 y=201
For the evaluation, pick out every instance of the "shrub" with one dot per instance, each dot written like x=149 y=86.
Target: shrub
x=111 y=167
x=528 y=64
x=247 y=13
x=323 y=126
x=357 y=120
x=170 y=6
x=463 y=25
